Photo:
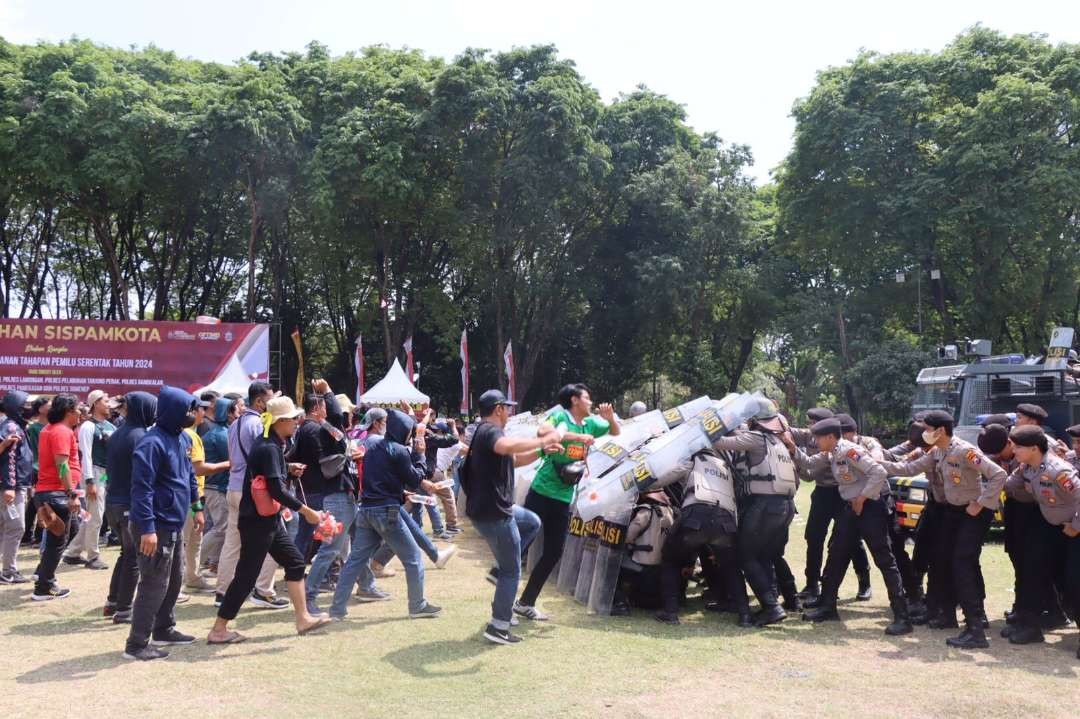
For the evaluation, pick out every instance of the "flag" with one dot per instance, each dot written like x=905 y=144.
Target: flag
x=408 y=358
x=299 y=365
x=508 y=359
x=358 y=363
x=464 y=374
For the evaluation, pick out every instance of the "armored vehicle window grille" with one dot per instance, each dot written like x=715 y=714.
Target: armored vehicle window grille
x=1045 y=385
x=1000 y=386
x=976 y=400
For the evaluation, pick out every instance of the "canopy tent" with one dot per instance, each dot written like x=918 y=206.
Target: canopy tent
x=393 y=388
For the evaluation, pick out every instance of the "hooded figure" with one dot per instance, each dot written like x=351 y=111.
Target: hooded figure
x=390 y=465
x=163 y=484
x=142 y=406
x=216 y=443
x=17 y=462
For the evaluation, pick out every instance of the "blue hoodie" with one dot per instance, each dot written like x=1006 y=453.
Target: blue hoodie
x=141 y=408
x=17 y=461
x=216 y=443
x=163 y=486
x=390 y=466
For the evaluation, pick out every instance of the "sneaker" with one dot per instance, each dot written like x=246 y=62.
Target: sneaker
x=375 y=595
x=261 y=600
x=500 y=636
x=4 y=578
x=200 y=586
x=15 y=577
x=74 y=561
x=529 y=612
x=146 y=654
x=381 y=572
x=492 y=577
x=444 y=556
x=182 y=598
x=52 y=592
x=426 y=611
x=443 y=535
x=96 y=563
x=454 y=530
x=218 y=599
x=171 y=638
x=122 y=617
x=209 y=572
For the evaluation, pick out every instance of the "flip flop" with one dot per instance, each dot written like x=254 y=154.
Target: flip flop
x=234 y=638
x=320 y=621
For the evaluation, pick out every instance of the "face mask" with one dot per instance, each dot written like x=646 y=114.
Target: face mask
x=189 y=420
x=930 y=436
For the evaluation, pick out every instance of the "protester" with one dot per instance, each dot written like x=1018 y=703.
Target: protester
x=261 y=528
x=489 y=487
x=141 y=411
x=215 y=502
x=193 y=581
x=16 y=473
x=39 y=411
x=163 y=491
x=94 y=435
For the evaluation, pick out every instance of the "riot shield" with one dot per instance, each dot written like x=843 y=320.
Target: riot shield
x=610 y=535
x=570 y=562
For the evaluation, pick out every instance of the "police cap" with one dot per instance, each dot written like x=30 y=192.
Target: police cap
x=938 y=418
x=1029 y=436
x=1002 y=419
x=819 y=413
x=1033 y=411
x=993 y=438
x=1073 y=431
x=826 y=426
x=847 y=424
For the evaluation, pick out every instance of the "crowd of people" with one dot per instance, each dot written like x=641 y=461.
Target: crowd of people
x=217 y=493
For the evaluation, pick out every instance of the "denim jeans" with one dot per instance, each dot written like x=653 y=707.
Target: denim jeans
x=506 y=537
x=385 y=553
x=343 y=507
x=417 y=512
x=52 y=546
x=373 y=525
x=305 y=530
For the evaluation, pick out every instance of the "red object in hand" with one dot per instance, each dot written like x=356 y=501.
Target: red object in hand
x=328 y=528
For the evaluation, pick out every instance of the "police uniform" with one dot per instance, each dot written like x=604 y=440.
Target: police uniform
x=967 y=478
x=858 y=475
x=1019 y=507
x=1049 y=551
x=708 y=518
x=767 y=485
x=825 y=507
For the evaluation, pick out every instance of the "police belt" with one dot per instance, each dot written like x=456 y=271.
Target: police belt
x=639 y=547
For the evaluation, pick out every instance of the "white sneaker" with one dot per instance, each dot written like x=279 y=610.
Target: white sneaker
x=529 y=612
x=444 y=556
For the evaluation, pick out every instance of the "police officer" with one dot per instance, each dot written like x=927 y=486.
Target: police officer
x=708 y=519
x=910 y=572
x=850 y=431
x=766 y=489
x=972 y=486
x=1073 y=455
x=1033 y=415
x=1053 y=542
x=864 y=487
x=825 y=507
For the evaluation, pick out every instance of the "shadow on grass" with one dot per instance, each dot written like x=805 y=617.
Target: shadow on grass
x=423 y=660
x=86 y=667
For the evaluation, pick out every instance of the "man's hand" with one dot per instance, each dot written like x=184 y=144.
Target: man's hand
x=91 y=490
x=310 y=515
x=789 y=441
x=607 y=411
x=553 y=447
x=357 y=454
x=148 y=544
x=9 y=496
x=405 y=407
x=296 y=468
x=974 y=508
x=8 y=441
x=199 y=520
x=320 y=386
x=1070 y=531
x=428 y=486
x=857 y=504
x=74 y=506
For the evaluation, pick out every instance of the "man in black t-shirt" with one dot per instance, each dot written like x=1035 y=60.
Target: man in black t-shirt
x=488 y=479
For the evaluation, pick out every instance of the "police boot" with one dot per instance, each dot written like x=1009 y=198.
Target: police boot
x=791 y=598
x=982 y=619
x=1024 y=634
x=973 y=637
x=666 y=617
x=1055 y=620
x=813 y=602
x=769 y=615
x=944 y=620
x=812 y=590
x=901 y=621
x=824 y=613
x=917 y=611
x=865 y=592
x=745 y=619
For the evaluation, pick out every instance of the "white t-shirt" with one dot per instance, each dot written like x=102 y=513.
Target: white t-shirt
x=445 y=457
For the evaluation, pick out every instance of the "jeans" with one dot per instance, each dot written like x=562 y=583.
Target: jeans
x=306 y=531
x=505 y=537
x=160 y=576
x=554 y=516
x=11 y=530
x=217 y=518
x=343 y=507
x=52 y=546
x=417 y=512
x=373 y=525
x=125 y=573
x=385 y=553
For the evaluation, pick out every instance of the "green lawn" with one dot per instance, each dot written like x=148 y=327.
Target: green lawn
x=381 y=664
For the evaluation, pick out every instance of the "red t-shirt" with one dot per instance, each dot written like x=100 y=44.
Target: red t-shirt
x=57 y=439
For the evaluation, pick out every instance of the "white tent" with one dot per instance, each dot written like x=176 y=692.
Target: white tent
x=393 y=388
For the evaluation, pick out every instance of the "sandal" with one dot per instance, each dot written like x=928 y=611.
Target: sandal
x=320 y=621
x=233 y=638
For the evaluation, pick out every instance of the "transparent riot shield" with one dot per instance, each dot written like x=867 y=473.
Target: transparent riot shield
x=570 y=562
x=610 y=550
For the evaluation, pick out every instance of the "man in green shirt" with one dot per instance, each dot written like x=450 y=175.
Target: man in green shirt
x=550 y=495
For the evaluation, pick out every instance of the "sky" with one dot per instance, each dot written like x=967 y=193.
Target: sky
x=736 y=67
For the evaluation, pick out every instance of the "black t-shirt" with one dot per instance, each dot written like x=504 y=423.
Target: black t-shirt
x=489 y=493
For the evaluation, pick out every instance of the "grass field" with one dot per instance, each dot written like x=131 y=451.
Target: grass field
x=62 y=658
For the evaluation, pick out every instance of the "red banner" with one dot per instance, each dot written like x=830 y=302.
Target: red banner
x=77 y=356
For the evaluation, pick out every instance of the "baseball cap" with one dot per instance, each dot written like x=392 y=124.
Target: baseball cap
x=491 y=399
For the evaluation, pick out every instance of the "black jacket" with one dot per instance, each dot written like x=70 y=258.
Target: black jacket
x=17 y=461
x=267 y=459
x=315 y=441
x=141 y=410
x=389 y=465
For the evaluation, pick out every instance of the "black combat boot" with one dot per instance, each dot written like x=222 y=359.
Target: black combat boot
x=769 y=615
x=791 y=598
x=666 y=617
x=944 y=620
x=1024 y=634
x=826 y=611
x=973 y=637
x=901 y=620
x=812 y=590
x=1055 y=620
x=745 y=619
x=865 y=593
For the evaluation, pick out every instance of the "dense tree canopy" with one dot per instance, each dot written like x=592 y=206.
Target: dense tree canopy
x=391 y=194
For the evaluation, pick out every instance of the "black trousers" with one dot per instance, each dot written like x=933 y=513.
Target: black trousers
x=1049 y=557
x=125 y=573
x=912 y=580
x=825 y=506
x=260 y=536
x=960 y=544
x=1021 y=518
x=52 y=546
x=873 y=527
x=763 y=533
x=160 y=576
x=701 y=526
x=940 y=594
x=555 y=520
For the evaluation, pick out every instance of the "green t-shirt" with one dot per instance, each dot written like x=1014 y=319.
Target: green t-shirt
x=547 y=480
x=33 y=431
